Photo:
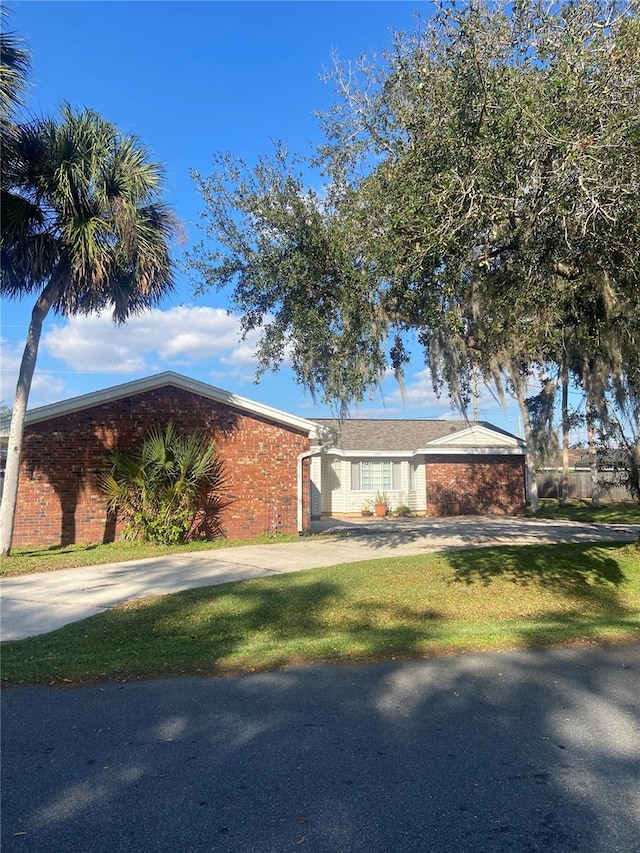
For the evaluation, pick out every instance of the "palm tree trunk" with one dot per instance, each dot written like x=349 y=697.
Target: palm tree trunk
x=14 y=449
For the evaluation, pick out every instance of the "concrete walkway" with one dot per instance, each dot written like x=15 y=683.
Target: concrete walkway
x=38 y=603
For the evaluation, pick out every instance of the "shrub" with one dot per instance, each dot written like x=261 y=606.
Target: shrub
x=402 y=511
x=169 y=489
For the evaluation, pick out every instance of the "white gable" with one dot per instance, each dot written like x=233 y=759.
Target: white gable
x=478 y=437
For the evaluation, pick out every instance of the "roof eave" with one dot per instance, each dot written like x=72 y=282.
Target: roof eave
x=456 y=450
x=169 y=378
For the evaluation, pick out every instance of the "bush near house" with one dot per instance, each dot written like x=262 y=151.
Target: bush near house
x=168 y=490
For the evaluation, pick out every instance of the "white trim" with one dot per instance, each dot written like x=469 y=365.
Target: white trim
x=159 y=380
x=308 y=454
x=474 y=431
x=373 y=454
x=454 y=450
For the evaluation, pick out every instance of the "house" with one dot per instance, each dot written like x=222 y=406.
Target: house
x=434 y=467
x=266 y=454
x=282 y=470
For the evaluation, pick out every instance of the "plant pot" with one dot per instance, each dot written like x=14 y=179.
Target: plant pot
x=381 y=510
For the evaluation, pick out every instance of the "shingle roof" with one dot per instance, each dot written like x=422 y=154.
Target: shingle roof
x=395 y=435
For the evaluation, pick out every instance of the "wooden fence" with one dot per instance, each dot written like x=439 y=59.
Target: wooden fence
x=579 y=482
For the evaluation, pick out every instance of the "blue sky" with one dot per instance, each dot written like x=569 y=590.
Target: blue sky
x=191 y=79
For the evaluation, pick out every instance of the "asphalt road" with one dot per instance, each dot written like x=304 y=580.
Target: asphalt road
x=38 y=603
x=520 y=751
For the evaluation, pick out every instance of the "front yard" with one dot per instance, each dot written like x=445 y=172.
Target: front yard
x=487 y=598
x=582 y=510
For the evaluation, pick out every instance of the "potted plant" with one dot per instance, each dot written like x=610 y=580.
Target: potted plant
x=366 y=508
x=381 y=504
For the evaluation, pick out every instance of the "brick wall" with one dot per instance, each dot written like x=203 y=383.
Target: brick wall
x=59 y=501
x=475 y=485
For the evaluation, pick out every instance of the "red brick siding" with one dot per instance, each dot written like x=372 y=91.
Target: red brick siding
x=59 y=500
x=474 y=485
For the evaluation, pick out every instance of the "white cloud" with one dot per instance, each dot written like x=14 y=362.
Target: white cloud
x=83 y=353
x=45 y=388
x=244 y=355
x=417 y=393
x=9 y=375
x=151 y=341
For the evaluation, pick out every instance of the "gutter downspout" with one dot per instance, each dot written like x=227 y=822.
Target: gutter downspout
x=315 y=451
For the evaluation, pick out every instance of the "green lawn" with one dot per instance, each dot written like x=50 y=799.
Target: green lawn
x=27 y=560
x=581 y=510
x=487 y=598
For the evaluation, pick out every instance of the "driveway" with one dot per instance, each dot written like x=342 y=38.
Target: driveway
x=36 y=604
x=514 y=752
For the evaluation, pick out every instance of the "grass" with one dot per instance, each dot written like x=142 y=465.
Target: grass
x=582 y=510
x=487 y=598
x=28 y=560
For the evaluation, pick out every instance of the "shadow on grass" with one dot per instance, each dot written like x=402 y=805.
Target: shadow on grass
x=619 y=512
x=268 y=623
x=583 y=572
x=286 y=623
x=231 y=628
x=555 y=628
x=53 y=549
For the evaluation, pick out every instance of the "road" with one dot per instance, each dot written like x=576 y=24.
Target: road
x=526 y=751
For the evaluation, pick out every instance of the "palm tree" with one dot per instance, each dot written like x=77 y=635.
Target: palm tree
x=83 y=228
x=14 y=67
x=170 y=488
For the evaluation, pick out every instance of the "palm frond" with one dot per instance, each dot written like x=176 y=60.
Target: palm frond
x=169 y=486
x=77 y=184
x=14 y=69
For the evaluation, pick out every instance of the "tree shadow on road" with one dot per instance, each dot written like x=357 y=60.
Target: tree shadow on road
x=521 y=752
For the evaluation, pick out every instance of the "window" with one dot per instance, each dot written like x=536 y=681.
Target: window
x=375 y=476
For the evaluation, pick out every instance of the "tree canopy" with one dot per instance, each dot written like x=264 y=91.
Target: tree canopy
x=480 y=191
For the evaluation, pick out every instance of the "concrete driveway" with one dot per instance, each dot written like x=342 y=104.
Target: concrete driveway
x=36 y=604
